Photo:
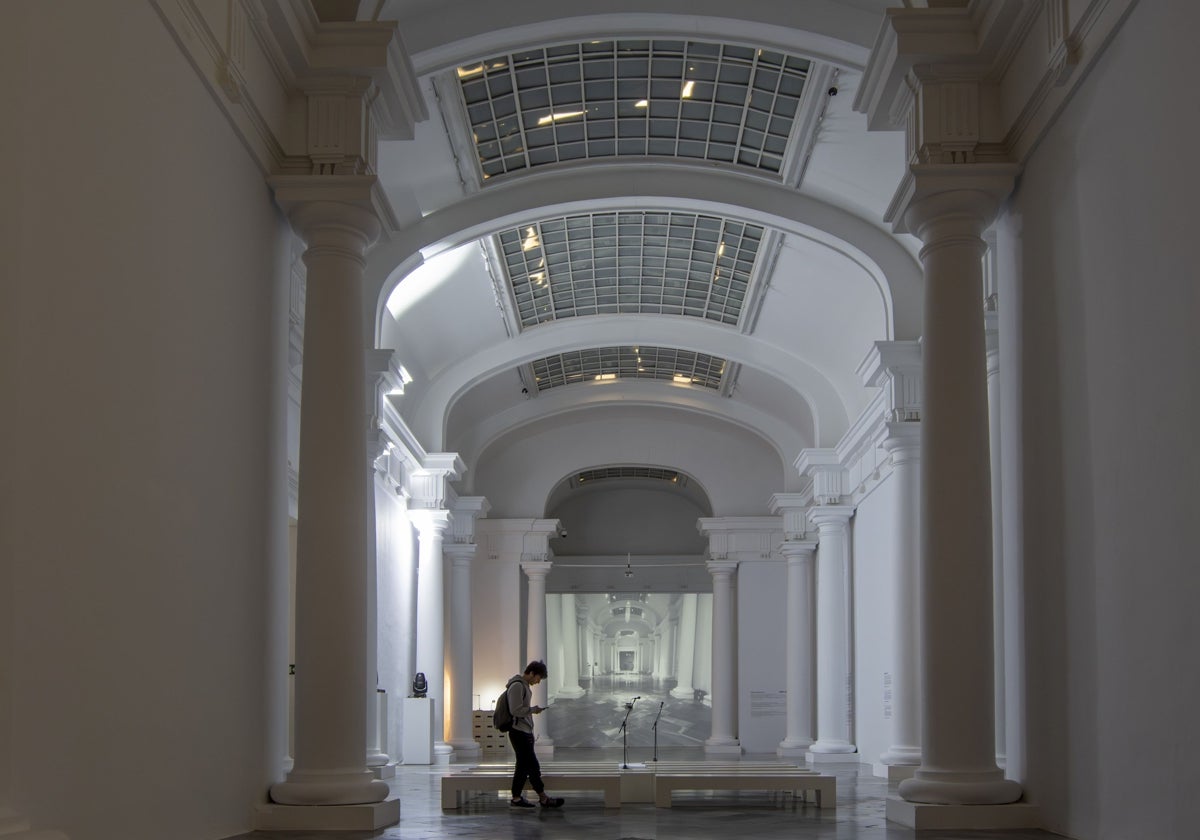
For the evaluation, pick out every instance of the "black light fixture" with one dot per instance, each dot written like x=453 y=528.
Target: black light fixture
x=628 y=567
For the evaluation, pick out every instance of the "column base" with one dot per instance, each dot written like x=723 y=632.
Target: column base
x=932 y=787
x=329 y=790
x=271 y=817
x=920 y=815
x=831 y=758
x=793 y=749
x=544 y=750
x=442 y=752
x=466 y=751
x=384 y=771
x=571 y=693
x=902 y=755
x=893 y=772
x=723 y=746
x=683 y=692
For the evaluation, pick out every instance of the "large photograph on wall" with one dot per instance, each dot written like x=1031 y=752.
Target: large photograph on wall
x=606 y=649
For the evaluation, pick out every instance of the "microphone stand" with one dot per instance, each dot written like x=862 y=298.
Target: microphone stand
x=625 y=734
x=655 y=728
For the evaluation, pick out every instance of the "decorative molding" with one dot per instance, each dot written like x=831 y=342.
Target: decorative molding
x=895 y=366
x=793 y=508
x=466 y=510
x=824 y=470
x=429 y=483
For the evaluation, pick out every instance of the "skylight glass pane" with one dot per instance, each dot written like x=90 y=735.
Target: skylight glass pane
x=607 y=364
x=630 y=261
x=631 y=98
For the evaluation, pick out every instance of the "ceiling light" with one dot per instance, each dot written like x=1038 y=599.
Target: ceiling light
x=531 y=240
x=642 y=103
x=605 y=377
x=681 y=379
x=687 y=89
x=468 y=72
x=721 y=249
x=561 y=115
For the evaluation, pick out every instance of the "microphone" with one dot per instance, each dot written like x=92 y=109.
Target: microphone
x=639 y=697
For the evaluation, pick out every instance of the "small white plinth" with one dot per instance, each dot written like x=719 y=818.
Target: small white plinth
x=894 y=772
x=384 y=771
x=832 y=758
x=416 y=742
x=368 y=817
x=792 y=752
x=919 y=815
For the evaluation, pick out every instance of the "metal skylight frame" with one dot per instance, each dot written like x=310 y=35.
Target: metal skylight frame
x=724 y=103
x=637 y=261
x=627 y=472
x=600 y=365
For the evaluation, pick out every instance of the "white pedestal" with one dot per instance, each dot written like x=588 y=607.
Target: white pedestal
x=417 y=737
x=918 y=815
x=272 y=817
x=894 y=772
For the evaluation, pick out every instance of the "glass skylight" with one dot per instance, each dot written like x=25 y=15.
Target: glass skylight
x=653 y=473
x=607 y=364
x=691 y=99
x=659 y=263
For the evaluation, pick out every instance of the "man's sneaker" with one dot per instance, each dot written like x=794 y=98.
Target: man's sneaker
x=553 y=802
x=520 y=803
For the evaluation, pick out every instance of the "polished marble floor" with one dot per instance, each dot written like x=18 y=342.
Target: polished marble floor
x=695 y=816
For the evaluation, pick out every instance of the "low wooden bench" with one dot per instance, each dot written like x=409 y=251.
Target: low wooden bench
x=454 y=785
x=797 y=780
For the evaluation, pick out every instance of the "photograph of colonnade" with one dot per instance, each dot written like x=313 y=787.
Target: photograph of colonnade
x=639 y=659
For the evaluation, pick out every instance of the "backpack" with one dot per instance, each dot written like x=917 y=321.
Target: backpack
x=502 y=718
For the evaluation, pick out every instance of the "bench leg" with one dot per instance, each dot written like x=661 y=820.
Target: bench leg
x=450 y=800
x=662 y=797
x=612 y=797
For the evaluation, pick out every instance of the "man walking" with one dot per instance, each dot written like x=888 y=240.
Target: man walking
x=520 y=699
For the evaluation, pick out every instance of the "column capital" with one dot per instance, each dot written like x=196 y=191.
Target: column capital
x=825 y=516
x=945 y=201
x=722 y=567
x=798 y=550
x=459 y=554
x=903 y=442
x=316 y=203
x=536 y=569
x=430 y=522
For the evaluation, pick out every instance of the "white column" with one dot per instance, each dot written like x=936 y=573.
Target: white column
x=535 y=641
x=431 y=618
x=685 y=648
x=460 y=717
x=992 y=345
x=724 y=679
x=570 y=642
x=833 y=601
x=951 y=206
x=799 y=647
x=377 y=756
x=331 y=563
x=903 y=445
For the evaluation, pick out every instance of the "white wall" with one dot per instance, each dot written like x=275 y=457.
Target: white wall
x=396 y=593
x=762 y=655
x=1100 y=303
x=641 y=520
x=497 y=609
x=145 y=533
x=873 y=537
x=738 y=470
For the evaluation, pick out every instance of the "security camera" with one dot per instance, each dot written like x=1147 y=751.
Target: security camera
x=832 y=91
x=563 y=533
x=524 y=390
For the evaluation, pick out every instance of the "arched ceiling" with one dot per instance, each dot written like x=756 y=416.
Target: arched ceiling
x=623 y=206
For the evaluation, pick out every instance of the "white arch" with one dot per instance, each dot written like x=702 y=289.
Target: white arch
x=650 y=185
x=820 y=29
x=786 y=439
x=829 y=414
